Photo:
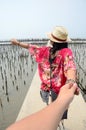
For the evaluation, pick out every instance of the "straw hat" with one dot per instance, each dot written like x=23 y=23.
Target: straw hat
x=59 y=34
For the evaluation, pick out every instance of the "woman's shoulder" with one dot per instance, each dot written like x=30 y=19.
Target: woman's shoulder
x=65 y=50
x=44 y=48
x=39 y=47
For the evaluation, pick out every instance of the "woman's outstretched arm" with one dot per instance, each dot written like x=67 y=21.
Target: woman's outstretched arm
x=21 y=44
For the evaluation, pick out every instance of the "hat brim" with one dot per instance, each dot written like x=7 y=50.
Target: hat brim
x=55 y=40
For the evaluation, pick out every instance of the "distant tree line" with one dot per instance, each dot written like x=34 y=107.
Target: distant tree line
x=40 y=39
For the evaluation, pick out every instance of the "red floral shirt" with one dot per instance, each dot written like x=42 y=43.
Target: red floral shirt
x=63 y=61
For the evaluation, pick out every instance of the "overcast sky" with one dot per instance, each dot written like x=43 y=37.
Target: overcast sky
x=34 y=18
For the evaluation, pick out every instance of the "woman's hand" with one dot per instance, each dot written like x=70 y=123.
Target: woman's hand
x=15 y=42
x=67 y=93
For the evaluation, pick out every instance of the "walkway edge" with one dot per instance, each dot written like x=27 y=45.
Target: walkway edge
x=32 y=102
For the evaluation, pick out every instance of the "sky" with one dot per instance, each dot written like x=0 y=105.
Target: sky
x=35 y=18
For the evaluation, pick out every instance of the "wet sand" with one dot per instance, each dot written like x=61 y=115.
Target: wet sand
x=32 y=103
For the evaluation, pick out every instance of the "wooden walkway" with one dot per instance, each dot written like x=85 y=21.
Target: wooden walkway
x=32 y=103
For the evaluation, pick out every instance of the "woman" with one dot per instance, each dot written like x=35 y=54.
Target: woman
x=55 y=64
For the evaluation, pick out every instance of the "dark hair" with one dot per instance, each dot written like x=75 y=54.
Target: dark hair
x=56 y=47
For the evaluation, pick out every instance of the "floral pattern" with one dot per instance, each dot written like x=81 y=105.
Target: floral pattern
x=56 y=76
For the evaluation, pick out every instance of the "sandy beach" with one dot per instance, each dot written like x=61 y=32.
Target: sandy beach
x=32 y=103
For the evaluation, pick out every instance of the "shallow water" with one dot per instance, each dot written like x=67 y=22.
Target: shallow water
x=17 y=69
